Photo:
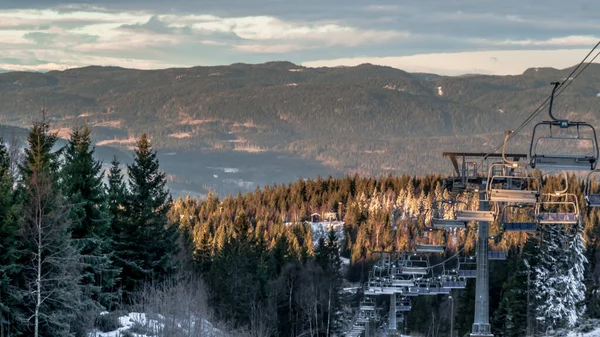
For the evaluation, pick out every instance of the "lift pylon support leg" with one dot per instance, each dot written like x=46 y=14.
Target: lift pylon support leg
x=481 y=323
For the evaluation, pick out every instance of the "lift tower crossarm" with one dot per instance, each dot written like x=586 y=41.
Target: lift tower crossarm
x=454 y=155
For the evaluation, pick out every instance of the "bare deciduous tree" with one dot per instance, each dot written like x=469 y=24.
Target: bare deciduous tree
x=52 y=289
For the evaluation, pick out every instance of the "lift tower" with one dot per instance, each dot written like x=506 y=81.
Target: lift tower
x=471 y=170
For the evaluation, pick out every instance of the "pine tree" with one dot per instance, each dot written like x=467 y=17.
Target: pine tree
x=81 y=182
x=50 y=281
x=146 y=242
x=9 y=250
x=559 y=278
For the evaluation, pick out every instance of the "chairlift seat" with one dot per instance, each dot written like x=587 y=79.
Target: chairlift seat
x=373 y=290
x=414 y=270
x=402 y=283
x=520 y=196
x=593 y=200
x=563 y=162
x=520 y=226
x=429 y=248
x=548 y=218
x=454 y=284
x=367 y=306
x=403 y=308
x=419 y=290
x=443 y=291
x=467 y=273
x=497 y=255
x=392 y=289
x=475 y=216
x=411 y=292
x=448 y=223
x=427 y=292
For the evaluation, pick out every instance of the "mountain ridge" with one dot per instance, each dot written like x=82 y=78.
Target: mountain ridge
x=354 y=119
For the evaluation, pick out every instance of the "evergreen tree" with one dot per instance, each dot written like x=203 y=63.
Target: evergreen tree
x=327 y=255
x=50 y=281
x=559 y=278
x=576 y=288
x=117 y=197
x=81 y=182
x=511 y=316
x=9 y=250
x=146 y=242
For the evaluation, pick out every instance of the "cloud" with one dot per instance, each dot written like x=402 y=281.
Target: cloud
x=568 y=41
x=500 y=62
x=153 y=33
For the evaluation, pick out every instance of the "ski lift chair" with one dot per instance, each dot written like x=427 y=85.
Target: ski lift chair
x=591 y=199
x=425 y=244
x=508 y=181
x=421 y=288
x=402 y=280
x=415 y=265
x=403 y=304
x=436 y=288
x=438 y=221
x=498 y=255
x=550 y=213
x=519 y=218
x=559 y=207
x=367 y=304
x=569 y=161
x=467 y=267
x=451 y=279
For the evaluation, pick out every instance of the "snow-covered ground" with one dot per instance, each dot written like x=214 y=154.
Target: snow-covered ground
x=594 y=333
x=321 y=230
x=148 y=325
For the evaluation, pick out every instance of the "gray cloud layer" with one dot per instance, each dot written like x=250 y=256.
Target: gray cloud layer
x=186 y=32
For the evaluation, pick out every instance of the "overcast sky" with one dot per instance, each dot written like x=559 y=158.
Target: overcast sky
x=441 y=36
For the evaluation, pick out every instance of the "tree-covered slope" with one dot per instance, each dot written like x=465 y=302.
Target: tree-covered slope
x=369 y=119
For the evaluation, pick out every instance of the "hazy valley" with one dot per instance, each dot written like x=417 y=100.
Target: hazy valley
x=241 y=126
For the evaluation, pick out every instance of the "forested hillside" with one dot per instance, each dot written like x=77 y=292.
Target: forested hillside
x=380 y=215
x=366 y=119
x=74 y=246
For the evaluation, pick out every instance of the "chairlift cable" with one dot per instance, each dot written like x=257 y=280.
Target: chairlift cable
x=448 y=259
x=561 y=88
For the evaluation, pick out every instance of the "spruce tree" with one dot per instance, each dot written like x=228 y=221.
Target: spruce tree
x=50 y=279
x=327 y=255
x=576 y=262
x=559 y=278
x=146 y=243
x=9 y=249
x=81 y=182
x=116 y=197
x=511 y=316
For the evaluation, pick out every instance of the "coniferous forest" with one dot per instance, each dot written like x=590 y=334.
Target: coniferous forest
x=80 y=246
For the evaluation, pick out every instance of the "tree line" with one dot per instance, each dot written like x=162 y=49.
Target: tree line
x=72 y=245
x=385 y=214
x=76 y=242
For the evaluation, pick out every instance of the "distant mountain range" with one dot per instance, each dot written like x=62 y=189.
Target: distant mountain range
x=366 y=119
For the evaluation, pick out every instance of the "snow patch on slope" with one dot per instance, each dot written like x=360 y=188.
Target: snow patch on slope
x=149 y=324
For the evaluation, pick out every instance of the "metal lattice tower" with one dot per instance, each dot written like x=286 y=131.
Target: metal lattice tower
x=481 y=324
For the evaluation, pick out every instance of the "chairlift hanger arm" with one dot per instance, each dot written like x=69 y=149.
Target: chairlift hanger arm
x=511 y=163
x=556 y=85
